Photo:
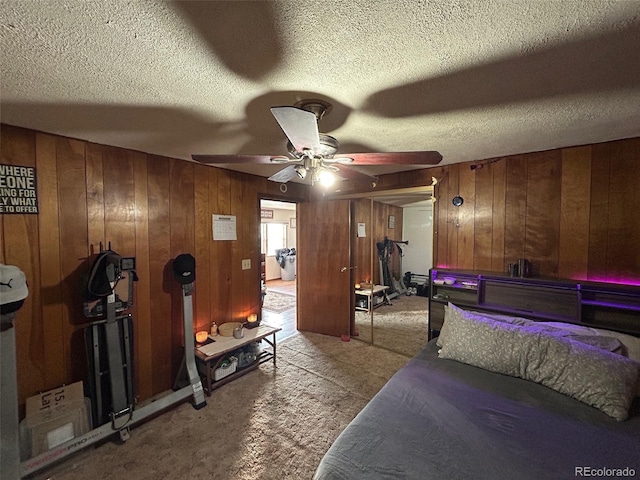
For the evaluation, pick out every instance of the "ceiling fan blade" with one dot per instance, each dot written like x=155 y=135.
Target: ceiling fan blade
x=396 y=158
x=300 y=126
x=215 y=159
x=350 y=174
x=284 y=175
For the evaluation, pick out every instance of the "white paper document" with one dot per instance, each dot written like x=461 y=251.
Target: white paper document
x=224 y=227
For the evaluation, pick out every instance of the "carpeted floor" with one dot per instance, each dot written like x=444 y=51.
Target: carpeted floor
x=278 y=302
x=401 y=327
x=274 y=423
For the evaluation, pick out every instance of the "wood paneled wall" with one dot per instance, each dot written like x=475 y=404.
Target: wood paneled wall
x=377 y=231
x=150 y=207
x=573 y=212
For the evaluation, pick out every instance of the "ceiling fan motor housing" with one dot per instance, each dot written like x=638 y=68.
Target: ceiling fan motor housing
x=328 y=147
x=316 y=106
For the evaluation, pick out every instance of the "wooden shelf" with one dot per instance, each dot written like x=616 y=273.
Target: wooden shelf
x=601 y=305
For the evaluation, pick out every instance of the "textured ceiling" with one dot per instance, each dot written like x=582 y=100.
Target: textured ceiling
x=470 y=79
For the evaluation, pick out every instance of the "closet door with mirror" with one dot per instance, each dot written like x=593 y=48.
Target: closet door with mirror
x=399 y=238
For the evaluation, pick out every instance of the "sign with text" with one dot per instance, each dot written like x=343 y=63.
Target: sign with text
x=18 y=192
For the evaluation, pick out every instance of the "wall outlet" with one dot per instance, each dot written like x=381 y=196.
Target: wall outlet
x=246 y=264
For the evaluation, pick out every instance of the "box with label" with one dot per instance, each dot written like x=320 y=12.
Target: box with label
x=54 y=398
x=53 y=418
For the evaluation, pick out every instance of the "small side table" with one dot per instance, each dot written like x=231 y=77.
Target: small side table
x=372 y=298
x=210 y=356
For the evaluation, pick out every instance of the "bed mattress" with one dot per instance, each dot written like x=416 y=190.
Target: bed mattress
x=441 y=419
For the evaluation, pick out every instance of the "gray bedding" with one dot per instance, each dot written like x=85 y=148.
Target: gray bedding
x=441 y=419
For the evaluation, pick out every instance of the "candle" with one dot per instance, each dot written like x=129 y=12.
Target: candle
x=201 y=337
x=252 y=318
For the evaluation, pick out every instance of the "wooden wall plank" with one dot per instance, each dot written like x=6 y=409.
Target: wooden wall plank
x=483 y=218
x=119 y=201
x=182 y=241
x=498 y=219
x=143 y=322
x=250 y=248
x=202 y=250
x=451 y=188
x=160 y=273
x=95 y=197
x=466 y=215
x=53 y=360
x=214 y=256
x=573 y=243
x=623 y=259
x=542 y=224
x=515 y=211
x=599 y=212
x=74 y=265
x=224 y=260
x=235 y=284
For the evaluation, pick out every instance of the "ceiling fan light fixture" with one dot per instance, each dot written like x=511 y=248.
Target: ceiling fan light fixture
x=325 y=177
x=301 y=171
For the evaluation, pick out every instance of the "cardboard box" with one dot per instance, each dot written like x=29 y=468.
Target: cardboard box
x=53 y=418
x=56 y=397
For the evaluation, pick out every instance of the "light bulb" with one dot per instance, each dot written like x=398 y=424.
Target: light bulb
x=326 y=178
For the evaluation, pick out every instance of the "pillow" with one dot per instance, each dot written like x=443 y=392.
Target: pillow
x=596 y=377
x=631 y=344
x=605 y=340
x=448 y=312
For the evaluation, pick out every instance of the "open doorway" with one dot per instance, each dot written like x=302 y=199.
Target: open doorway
x=278 y=265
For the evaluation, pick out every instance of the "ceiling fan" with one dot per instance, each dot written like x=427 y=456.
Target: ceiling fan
x=314 y=154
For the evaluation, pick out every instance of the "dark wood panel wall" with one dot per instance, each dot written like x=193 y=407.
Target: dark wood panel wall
x=150 y=207
x=572 y=212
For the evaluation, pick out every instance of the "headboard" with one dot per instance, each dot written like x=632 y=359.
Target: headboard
x=593 y=304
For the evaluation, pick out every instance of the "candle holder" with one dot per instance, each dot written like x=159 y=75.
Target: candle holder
x=201 y=337
x=252 y=321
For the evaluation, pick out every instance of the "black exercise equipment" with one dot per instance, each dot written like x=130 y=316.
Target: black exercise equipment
x=109 y=292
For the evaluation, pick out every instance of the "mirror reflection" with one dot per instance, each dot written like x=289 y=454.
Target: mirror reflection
x=391 y=301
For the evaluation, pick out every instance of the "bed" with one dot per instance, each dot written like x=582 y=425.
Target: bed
x=441 y=418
